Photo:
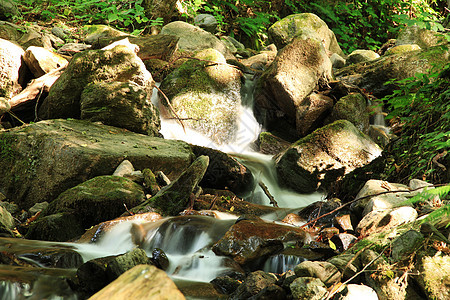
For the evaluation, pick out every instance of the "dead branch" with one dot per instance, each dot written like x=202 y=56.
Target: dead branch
x=437 y=157
x=266 y=191
x=171 y=108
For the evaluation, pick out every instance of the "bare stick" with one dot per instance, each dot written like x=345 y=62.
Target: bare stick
x=266 y=191
x=171 y=107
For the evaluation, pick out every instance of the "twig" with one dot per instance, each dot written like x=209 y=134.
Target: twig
x=171 y=107
x=266 y=191
x=365 y=197
x=131 y=213
x=437 y=157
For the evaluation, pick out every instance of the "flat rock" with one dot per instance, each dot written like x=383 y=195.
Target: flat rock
x=67 y=152
x=377 y=221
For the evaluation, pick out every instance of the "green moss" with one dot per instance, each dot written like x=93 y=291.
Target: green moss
x=6 y=149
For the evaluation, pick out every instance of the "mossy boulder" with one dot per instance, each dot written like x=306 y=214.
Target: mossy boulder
x=402 y=49
x=97 y=200
x=353 y=108
x=205 y=93
x=422 y=37
x=324 y=156
x=42 y=160
x=304 y=25
x=120 y=104
x=119 y=63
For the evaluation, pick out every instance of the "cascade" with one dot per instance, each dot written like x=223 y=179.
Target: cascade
x=281 y=263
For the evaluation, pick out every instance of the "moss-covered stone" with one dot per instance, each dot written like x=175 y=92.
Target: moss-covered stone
x=352 y=108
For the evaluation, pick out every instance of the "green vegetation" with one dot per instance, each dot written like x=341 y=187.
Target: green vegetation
x=420 y=114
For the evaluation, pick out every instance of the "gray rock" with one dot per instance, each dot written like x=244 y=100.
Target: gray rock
x=125 y=167
x=253 y=284
x=337 y=61
x=283 y=88
x=342 y=261
x=308 y=288
x=174 y=198
x=73 y=48
x=38 y=207
x=82 y=150
x=325 y=271
x=343 y=241
x=120 y=63
x=377 y=221
x=311 y=118
x=353 y=108
x=406 y=245
x=96 y=32
x=206 y=22
x=60 y=32
x=193 y=38
x=325 y=155
x=305 y=25
x=232 y=40
x=7 y=223
x=120 y=104
x=12 y=72
x=359 y=56
x=8 y=9
x=422 y=37
x=40 y=61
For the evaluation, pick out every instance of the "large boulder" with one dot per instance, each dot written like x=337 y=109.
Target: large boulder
x=312 y=118
x=422 y=37
x=40 y=61
x=247 y=241
x=319 y=159
x=121 y=104
x=297 y=70
x=118 y=62
x=205 y=95
x=193 y=38
x=42 y=160
x=305 y=25
x=89 y=203
x=12 y=70
x=373 y=75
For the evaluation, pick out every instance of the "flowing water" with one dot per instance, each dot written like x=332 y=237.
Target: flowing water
x=187 y=240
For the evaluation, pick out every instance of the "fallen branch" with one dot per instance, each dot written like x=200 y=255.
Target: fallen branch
x=266 y=191
x=171 y=107
x=437 y=157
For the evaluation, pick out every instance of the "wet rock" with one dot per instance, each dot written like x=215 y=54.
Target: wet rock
x=377 y=221
x=352 y=108
x=150 y=182
x=283 y=88
x=7 y=223
x=135 y=284
x=322 y=270
x=342 y=262
x=305 y=25
x=206 y=22
x=358 y=56
x=379 y=202
x=120 y=104
x=97 y=273
x=422 y=37
x=343 y=241
x=224 y=171
x=406 y=245
x=12 y=72
x=226 y=284
x=56 y=258
x=324 y=156
x=40 y=61
x=117 y=63
x=193 y=38
x=248 y=241
x=372 y=76
x=382 y=278
x=313 y=117
x=82 y=151
x=96 y=200
x=205 y=97
x=199 y=290
x=159 y=259
x=174 y=198
x=253 y=284
x=271 y=144
x=55 y=227
x=308 y=288
x=434 y=276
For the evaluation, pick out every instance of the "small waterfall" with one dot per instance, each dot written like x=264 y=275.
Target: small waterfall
x=281 y=263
